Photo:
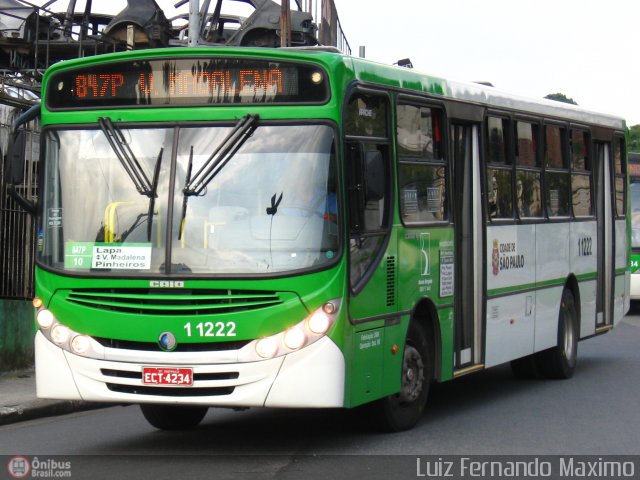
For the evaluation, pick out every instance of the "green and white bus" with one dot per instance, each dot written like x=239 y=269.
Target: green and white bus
x=634 y=194
x=229 y=227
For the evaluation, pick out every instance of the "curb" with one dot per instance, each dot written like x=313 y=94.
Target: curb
x=44 y=408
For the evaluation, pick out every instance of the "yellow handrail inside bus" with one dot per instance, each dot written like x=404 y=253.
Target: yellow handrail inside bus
x=110 y=222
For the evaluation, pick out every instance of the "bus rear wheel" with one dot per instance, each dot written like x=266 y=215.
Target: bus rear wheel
x=560 y=361
x=403 y=410
x=173 y=417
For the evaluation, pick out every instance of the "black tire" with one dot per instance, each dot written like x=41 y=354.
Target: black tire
x=403 y=410
x=173 y=417
x=560 y=361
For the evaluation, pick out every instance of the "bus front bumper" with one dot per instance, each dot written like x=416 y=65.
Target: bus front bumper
x=311 y=377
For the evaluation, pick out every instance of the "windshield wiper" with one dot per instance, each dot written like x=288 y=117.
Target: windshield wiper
x=135 y=171
x=221 y=155
x=126 y=156
x=154 y=194
x=185 y=197
x=216 y=162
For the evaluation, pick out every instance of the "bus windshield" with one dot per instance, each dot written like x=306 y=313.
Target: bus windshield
x=121 y=200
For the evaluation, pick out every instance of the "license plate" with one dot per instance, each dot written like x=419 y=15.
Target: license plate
x=167 y=376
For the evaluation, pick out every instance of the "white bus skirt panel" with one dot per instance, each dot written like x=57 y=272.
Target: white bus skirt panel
x=311 y=377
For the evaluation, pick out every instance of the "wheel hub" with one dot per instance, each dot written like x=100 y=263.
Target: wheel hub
x=413 y=375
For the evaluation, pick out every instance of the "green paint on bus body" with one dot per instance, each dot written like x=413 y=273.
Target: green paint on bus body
x=104 y=308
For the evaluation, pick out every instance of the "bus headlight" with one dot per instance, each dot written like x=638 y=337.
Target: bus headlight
x=60 y=334
x=45 y=319
x=319 y=322
x=66 y=338
x=80 y=344
x=267 y=347
x=294 y=338
x=303 y=334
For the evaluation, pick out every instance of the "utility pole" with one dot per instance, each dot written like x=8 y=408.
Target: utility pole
x=285 y=24
x=194 y=23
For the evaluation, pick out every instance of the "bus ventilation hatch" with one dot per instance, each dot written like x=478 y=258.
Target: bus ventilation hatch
x=169 y=302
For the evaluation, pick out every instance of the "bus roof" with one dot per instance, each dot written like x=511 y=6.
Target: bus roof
x=371 y=72
x=479 y=94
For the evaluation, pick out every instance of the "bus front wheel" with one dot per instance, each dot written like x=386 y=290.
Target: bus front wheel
x=173 y=417
x=403 y=410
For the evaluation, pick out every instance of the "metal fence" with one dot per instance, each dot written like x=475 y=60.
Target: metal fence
x=18 y=238
x=330 y=28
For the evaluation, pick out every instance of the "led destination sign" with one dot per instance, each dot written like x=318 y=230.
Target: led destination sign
x=186 y=82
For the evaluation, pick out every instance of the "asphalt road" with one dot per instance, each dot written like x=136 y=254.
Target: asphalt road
x=597 y=412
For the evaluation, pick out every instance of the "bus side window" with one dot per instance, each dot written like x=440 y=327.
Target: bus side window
x=528 y=190
x=422 y=168
x=368 y=188
x=499 y=193
x=580 y=174
x=557 y=178
x=500 y=170
x=620 y=175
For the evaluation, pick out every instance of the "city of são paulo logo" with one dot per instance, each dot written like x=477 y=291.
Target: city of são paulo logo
x=21 y=467
x=504 y=256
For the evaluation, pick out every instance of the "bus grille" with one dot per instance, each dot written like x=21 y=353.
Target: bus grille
x=170 y=302
x=182 y=347
x=171 y=391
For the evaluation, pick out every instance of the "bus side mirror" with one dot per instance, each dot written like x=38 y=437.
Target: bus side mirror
x=15 y=161
x=16 y=157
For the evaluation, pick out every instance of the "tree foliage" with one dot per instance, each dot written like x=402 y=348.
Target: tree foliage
x=561 y=97
x=634 y=139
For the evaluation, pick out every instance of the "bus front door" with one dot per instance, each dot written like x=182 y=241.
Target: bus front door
x=469 y=285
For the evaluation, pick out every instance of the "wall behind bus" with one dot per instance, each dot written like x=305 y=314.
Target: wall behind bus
x=16 y=335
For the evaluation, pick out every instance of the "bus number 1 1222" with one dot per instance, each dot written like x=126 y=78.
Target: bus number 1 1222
x=211 y=329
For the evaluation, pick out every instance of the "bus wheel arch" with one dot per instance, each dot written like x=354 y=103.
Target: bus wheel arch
x=401 y=411
x=426 y=314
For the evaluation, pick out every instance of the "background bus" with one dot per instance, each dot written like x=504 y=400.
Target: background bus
x=634 y=194
x=300 y=228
